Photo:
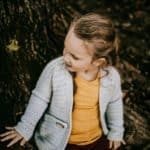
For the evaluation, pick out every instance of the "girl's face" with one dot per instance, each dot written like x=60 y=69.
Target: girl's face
x=77 y=57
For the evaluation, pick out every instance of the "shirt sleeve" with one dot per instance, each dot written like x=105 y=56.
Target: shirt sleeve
x=115 y=110
x=38 y=103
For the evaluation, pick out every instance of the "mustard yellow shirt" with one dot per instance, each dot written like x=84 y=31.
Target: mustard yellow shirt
x=86 y=126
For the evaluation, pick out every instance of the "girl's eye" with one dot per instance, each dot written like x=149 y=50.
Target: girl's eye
x=74 y=57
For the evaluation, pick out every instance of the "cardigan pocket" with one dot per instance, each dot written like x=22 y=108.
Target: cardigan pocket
x=52 y=129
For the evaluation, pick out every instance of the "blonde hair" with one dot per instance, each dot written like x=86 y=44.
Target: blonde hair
x=98 y=30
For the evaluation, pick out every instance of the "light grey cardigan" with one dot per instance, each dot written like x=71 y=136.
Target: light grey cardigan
x=51 y=102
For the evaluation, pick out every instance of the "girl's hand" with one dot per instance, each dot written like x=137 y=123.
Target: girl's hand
x=114 y=145
x=13 y=136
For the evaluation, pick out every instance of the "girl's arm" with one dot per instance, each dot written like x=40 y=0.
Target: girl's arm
x=37 y=105
x=115 y=113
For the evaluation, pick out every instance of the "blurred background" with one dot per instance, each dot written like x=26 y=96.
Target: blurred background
x=32 y=33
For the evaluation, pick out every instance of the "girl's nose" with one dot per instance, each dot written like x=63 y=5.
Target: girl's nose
x=67 y=59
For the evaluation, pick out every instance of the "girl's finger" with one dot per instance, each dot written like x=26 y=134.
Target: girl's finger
x=110 y=144
x=9 y=128
x=15 y=140
x=23 y=141
x=123 y=142
x=12 y=136
x=6 y=133
x=117 y=145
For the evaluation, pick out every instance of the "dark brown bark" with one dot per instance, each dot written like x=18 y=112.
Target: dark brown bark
x=32 y=33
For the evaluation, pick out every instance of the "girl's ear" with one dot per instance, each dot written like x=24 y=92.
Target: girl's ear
x=100 y=62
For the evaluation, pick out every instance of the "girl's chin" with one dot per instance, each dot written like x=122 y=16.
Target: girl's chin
x=73 y=70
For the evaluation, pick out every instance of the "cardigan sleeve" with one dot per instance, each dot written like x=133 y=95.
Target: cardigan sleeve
x=115 y=110
x=38 y=103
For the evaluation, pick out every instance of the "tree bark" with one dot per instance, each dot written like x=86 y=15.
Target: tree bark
x=32 y=33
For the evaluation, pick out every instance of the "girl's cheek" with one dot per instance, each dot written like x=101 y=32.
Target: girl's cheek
x=64 y=52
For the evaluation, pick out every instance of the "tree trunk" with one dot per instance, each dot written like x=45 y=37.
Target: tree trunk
x=32 y=33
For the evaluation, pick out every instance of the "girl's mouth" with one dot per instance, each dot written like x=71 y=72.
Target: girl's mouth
x=68 y=65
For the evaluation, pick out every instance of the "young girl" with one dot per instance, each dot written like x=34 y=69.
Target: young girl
x=78 y=97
